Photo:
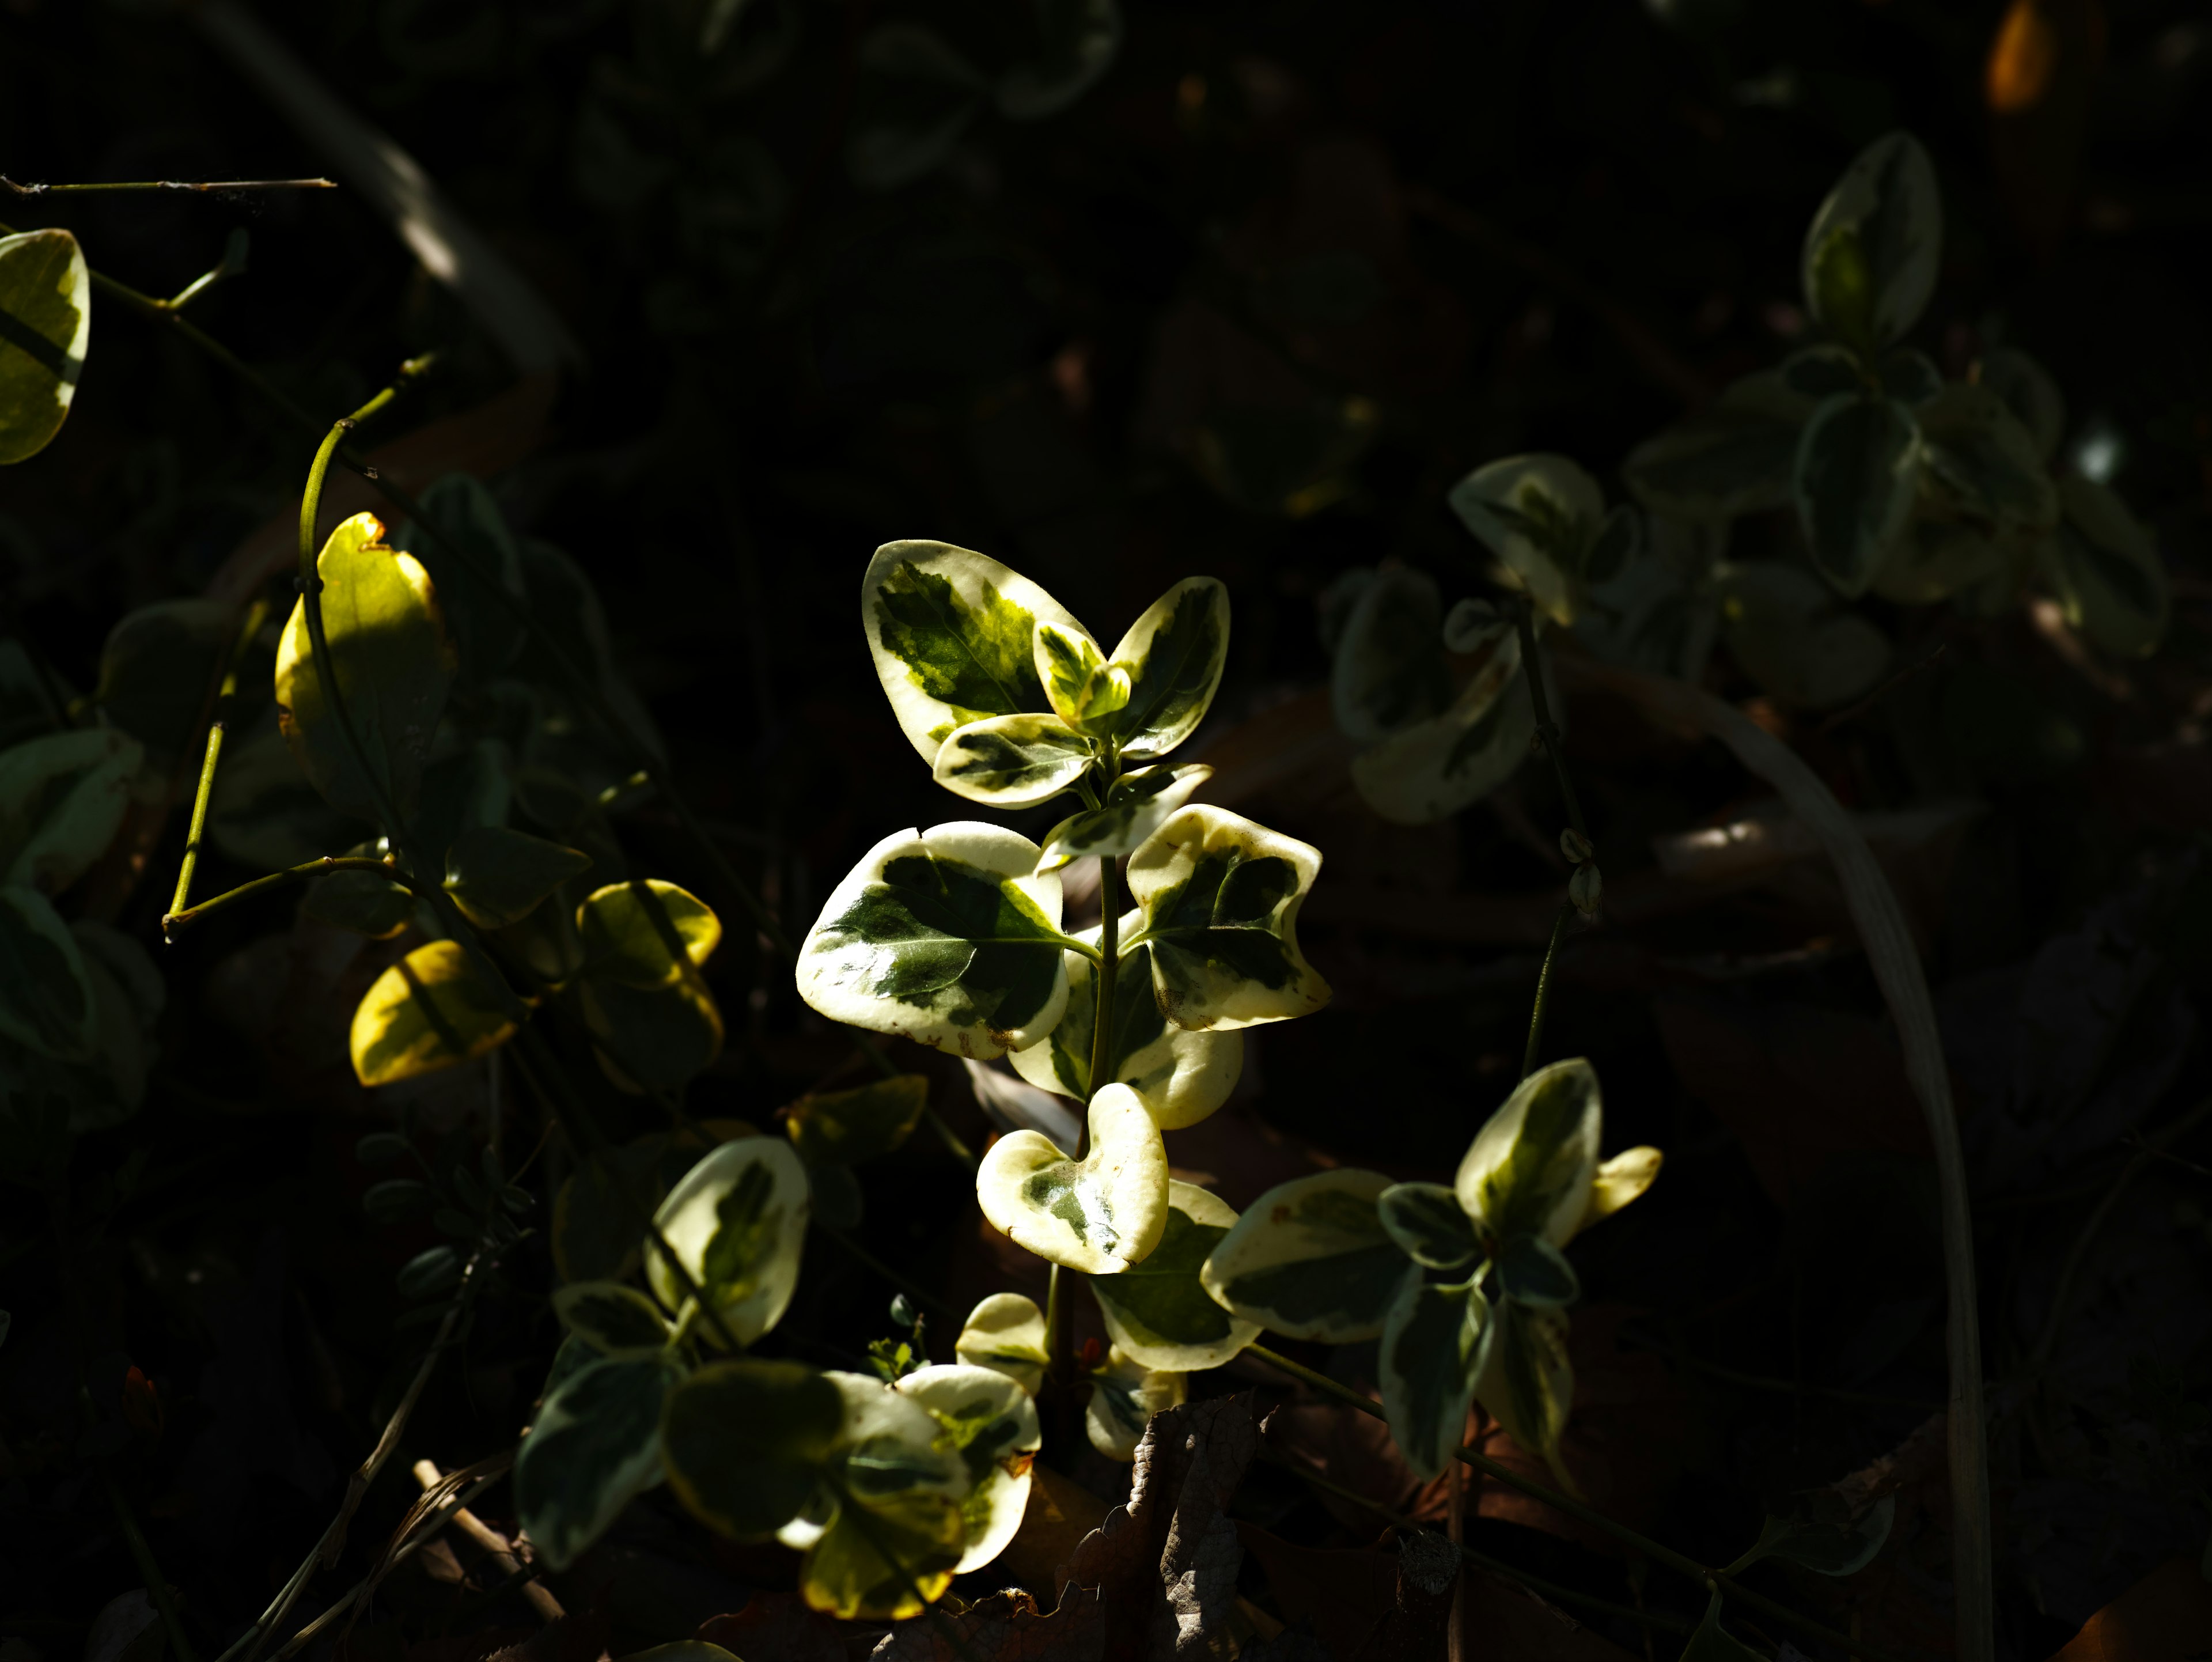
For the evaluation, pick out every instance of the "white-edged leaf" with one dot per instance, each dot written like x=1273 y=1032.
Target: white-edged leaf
x=949 y=937
x=1434 y=1342
x=1734 y=458
x=893 y=1462
x=1220 y=897
x=1312 y=1259
x=63 y=796
x=1125 y=1394
x=1006 y=1333
x=1389 y=669
x=1981 y=459
x=746 y=1443
x=1530 y=1169
x=1098 y=1215
x=1174 y=654
x=1534 y=1272
x=1527 y=1383
x=1540 y=514
x=1434 y=769
x=1137 y=805
x=1085 y=691
x=1857 y=469
x=1874 y=246
x=46 y=326
x=1785 y=627
x=614 y=1319
x=1012 y=761
x=736 y=1222
x=1428 y=1224
x=1158 y=1312
x=992 y=1425
x=595 y=1445
x=2105 y=568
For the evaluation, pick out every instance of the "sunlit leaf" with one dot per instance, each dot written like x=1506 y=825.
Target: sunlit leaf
x=2030 y=393
x=1312 y=1259
x=1527 y=1383
x=46 y=1000
x=1389 y=666
x=1530 y=1169
x=61 y=799
x=1084 y=690
x=614 y=1319
x=746 y=1442
x=1541 y=515
x=1220 y=897
x=1981 y=459
x=595 y=1445
x=46 y=325
x=1734 y=458
x=736 y=1222
x=158 y=674
x=1078 y=42
x=990 y=1422
x=1620 y=1180
x=949 y=937
x=1157 y=1312
x=395 y=666
x=1174 y=654
x=497 y=876
x=1789 y=632
x=844 y=1126
x=1857 y=467
x=1827 y=1540
x=1434 y=768
x=1006 y=1333
x=646 y=933
x=1012 y=761
x=429 y=1011
x=1125 y=1394
x=2105 y=569
x=1183 y=1076
x=895 y=1525
x=916 y=97
x=1873 y=248
x=1435 y=1340
x=1137 y=805
x=1428 y=1223
x=1098 y=1215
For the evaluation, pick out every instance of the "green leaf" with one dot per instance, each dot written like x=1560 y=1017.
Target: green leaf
x=736 y=1222
x=61 y=799
x=953 y=634
x=1527 y=1383
x=596 y=1233
x=1006 y=1334
x=46 y=325
x=2105 y=570
x=990 y=1422
x=498 y=877
x=1857 y=468
x=1822 y=372
x=646 y=933
x=2030 y=393
x=1174 y=654
x=1312 y=1259
x=430 y=1010
x=1012 y=761
x=1540 y=515
x=1181 y=1076
x=1220 y=897
x=265 y=813
x=595 y=1445
x=1137 y=805
x=1534 y=1272
x=158 y=674
x=1426 y=1220
x=1078 y=39
x=1434 y=1342
x=1824 y=1539
x=892 y=1516
x=845 y=1127
x=1157 y=1312
x=745 y=1443
x=1125 y=1394
x=1529 y=1170
x=1084 y=690
x=915 y=96
x=1734 y=458
x=1874 y=246
x=395 y=666
x=46 y=1000
x=1909 y=377
x=1786 y=629
x=1659 y=614
x=486 y=636
x=615 y=1320
x=948 y=937
x=1098 y=1215
x=360 y=901
x=1388 y=668
x=1436 y=768
x=1937 y=557
x=1713 y=1643
x=1982 y=462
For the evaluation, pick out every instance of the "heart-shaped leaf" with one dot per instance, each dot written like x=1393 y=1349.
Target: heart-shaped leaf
x=395 y=665
x=1174 y=656
x=1530 y=1169
x=1734 y=458
x=1786 y=630
x=1435 y=1340
x=498 y=877
x=1311 y=1258
x=1158 y=1312
x=46 y=325
x=615 y=1320
x=1098 y=1215
x=595 y=1445
x=843 y=1127
x=1426 y=1220
x=1540 y=515
x=63 y=796
x=1873 y=248
x=1125 y=1394
x=736 y=1222
x=1388 y=672
x=953 y=634
x=1434 y=769
x=746 y=1443
x=1981 y=459
x=46 y=999
x=1012 y=761
x=1857 y=468
x=1006 y=1334
x=949 y=937
x=646 y=933
x=430 y=1010
x=1220 y=897
x=1137 y=805
x=2105 y=569
x=990 y=1422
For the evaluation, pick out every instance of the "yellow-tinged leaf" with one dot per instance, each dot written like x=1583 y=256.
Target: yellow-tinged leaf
x=1006 y=1333
x=429 y=1011
x=1097 y=1214
x=46 y=325
x=646 y=933
x=1125 y=1394
x=1620 y=1180
x=736 y=1222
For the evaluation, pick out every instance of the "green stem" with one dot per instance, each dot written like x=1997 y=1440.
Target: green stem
x=1108 y=958
x=212 y=186
x=256 y=615
x=1544 y=989
x=1658 y=1553
x=157 y=1586
x=176 y=921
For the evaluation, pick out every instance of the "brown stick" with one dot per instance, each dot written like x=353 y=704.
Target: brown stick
x=500 y=1548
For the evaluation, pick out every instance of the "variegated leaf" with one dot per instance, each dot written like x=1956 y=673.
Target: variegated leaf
x=1435 y=1340
x=1620 y=1180
x=1530 y=1169
x=1532 y=1271
x=1084 y=690
x=1006 y=1334
x=1527 y=1383
x=736 y=1222
x=1981 y=459
x=46 y=325
x=615 y=1320
x=1541 y=515
x=2105 y=568
x=595 y=1445
x=1433 y=769
x=1098 y=1215
x=2030 y=393
x=1734 y=458
x=63 y=796
x=1012 y=761
x=1312 y=1259
x=1857 y=472
x=746 y=1443
x=1137 y=805
x=1220 y=897
x=430 y=1010
x=1388 y=668
x=990 y=1422
x=1786 y=629
x=1125 y=1394
x=949 y=937
x=953 y=636
x=646 y=933
x=1873 y=248
x=1158 y=1312
x=893 y=1463
x=1174 y=654
x=1428 y=1224
x=1183 y=1076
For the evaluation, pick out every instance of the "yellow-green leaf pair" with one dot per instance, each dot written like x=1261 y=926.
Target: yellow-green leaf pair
x=1006 y=1334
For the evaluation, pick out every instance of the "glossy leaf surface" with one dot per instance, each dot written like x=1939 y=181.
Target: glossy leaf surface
x=430 y=1010
x=46 y=326
x=1529 y=1168
x=595 y=1445
x=1157 y=1312
x=1434 y=1342
x=736 y=1222
x=990 y=1420
x=1006 y=1333
x=1084 y=690
x=1312 y=1259
x=746 y=1442
x=497 y=876
x=1012 y=761
x=1857 y=467
x=646 y=933
x=1125 y=1394
x=1098 y=1215
x=1174 y=654
x=1137 y=805
x=896 y=1492
x=1874 y=247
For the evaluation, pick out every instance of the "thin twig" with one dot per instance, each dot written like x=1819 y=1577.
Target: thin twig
x=176 y=921
x=1544 y=989
x=205 y=187
x=249 y=626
